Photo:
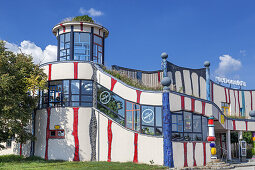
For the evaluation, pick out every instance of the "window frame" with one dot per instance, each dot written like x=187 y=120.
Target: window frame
x=65 y=57
x=192 y=128
x=85 y=50
x=69 y=94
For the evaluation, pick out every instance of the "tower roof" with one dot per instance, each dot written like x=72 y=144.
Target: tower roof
x=80 y=25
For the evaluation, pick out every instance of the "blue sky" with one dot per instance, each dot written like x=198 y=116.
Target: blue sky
x=191 y=32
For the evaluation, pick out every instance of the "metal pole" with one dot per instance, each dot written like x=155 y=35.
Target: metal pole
x=208 y=89
x=167 y=117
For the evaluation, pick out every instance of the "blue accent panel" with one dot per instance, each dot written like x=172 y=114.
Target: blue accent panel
x=208 y=97
x=243 y=104
x=167 y=132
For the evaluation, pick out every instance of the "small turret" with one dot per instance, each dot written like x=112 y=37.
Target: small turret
x=80 y=41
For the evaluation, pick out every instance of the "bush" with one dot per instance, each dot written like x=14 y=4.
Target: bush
x=84 y=18
x=249 y=153
x=129 y=81
x=11 y=158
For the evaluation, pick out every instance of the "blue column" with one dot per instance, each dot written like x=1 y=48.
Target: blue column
x=208 y=87
x=167 y=117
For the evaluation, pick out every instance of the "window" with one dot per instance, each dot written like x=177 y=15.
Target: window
x=57 y=134
x=82 y=46
x=111 y=104
x=225 y=108
x=64 y=47
x=55 y=93
x=75 y=89
x=151 y=120
x=67 y=93
x=86 y=93
x=133 y=116
x=66 y=101
x=140 y=118
x=97 y=49
x=188 y=126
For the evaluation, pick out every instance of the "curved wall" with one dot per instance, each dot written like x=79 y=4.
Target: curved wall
x=237 y=99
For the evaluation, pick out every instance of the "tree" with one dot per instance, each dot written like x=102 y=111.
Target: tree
x=20 y=79
x=84 y=18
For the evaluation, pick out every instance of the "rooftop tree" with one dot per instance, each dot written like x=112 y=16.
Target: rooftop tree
x=84 y=18
x=20 y=78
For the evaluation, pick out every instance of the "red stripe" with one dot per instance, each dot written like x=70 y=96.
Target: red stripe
x=136 y=148
x=185 y=154
x=75 y=70
x=246 y=124
x=203 y=108
x=193 y=105
x=109 y=140
x=20 y=149
x=49 y=76
x=235 y=99
x=238 y=103
x=210 y=122
x=75 y=134
x=229 y=101
x=226 y=98
x=138 y=92
x=234 y=125
x=212 y=92
x=251 y=100
x=158 y=76
x=64 y=28
x=47 y=133
x=221 y=144
x=81 y=26
x=204 y=149
x=113 y=82
x=194 y=154
x=182 y=103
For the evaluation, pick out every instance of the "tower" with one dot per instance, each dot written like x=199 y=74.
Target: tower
x=80 y=41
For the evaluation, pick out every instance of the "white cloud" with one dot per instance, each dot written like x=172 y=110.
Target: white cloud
x=228 y=65
x=67 y=19
x=39 y=56
x=92 y=12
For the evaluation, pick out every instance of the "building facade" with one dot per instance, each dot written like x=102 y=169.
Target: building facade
x=87 y=114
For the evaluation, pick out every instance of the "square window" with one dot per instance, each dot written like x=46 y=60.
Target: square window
x=148 y=115
x=75 y=104
x=85 y=98
x=75 y=98
x=75 y=86
x=52 y=133
x=61 y=133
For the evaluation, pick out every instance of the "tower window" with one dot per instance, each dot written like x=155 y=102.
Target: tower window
x=82 y=46
x=98 y=49
x=64 y=47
